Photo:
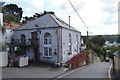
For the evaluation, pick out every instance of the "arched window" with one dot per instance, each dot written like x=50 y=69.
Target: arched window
x=77 y=43
x=23 y=40
x=47 y=45
x=47 y=39
x=70 y=43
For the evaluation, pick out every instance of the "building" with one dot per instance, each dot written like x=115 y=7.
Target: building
x=116 y=64
x=9 y=33
x=1 y=19
x=1 y=34
x=48 y=38
x=110 y=43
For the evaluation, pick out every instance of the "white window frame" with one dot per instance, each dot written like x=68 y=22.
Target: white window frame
x=47 y=45
x=70 y=43
x=77 y=44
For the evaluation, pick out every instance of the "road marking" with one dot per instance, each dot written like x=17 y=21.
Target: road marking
x=109 y=75
x=70 y=72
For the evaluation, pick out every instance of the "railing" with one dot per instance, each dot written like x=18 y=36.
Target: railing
x=25 y=42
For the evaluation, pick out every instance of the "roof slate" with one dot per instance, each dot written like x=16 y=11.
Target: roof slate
x=47 y=20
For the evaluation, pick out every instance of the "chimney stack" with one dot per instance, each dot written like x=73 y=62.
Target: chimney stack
x=69 y=21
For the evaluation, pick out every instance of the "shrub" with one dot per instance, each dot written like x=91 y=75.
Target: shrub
x=101 y=58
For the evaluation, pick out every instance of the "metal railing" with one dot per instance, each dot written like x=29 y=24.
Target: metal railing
x=25 y=42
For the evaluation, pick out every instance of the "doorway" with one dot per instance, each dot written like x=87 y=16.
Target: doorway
x=34 y=43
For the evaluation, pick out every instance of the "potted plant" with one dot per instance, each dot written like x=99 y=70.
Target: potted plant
x=55 y=53
x=69 y=53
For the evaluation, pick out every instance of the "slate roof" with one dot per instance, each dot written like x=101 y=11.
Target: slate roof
x=117 y=53
x=47 y=20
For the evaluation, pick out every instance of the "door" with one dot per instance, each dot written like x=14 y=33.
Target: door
x=34 y=38
x=34 y=42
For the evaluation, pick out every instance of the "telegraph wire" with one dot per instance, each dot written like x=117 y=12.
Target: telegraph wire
x=79 y=16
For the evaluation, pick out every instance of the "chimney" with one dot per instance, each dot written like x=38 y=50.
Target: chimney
x=69 y=21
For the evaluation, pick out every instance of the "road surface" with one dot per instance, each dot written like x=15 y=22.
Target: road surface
x=96 y=70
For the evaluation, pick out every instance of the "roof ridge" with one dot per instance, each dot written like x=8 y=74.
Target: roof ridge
x=63 y=22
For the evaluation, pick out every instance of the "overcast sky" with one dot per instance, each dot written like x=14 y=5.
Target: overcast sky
x=101 y=16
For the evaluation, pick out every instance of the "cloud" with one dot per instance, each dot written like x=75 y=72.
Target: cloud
x=80 y=5
x=39 y=4
x=99 y=15
x=109 y=1
x=97 y=19
x=68 y=8
x=110 y=20
x=110 y=9
x=27 y=9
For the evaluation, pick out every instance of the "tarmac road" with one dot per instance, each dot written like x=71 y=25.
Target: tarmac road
x=96 y=70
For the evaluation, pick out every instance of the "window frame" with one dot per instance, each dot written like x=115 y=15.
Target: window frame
x=48 y=45
x=70 y=43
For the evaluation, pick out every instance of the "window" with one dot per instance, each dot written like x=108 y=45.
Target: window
x=47 y=45
x=70 y=44
x=47 y=39
x=77 y=43
x=45 y=51
x=23 y=40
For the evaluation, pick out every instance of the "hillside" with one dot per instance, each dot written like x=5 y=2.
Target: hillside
x=111 y=38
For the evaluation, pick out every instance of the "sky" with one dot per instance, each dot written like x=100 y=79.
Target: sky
x=101 y=16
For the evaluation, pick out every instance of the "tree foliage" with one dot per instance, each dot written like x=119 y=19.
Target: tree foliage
x=13 y=9
x=98 y=40
x=10 y=18
x=2 y=29
x=36 y=15
x=96 y=44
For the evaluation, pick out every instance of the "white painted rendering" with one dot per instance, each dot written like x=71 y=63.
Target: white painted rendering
x=3 y=59
x=1 y=19
x=59 y=32
x=8 y=35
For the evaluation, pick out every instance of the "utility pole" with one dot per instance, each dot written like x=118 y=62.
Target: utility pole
x=87 y=34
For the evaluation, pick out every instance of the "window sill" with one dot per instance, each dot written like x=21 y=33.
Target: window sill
x=47 y=56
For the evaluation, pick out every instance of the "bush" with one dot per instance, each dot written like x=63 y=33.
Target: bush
x=101 y=58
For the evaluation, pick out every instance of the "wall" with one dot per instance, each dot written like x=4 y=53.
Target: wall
x=8 y=35
x=60 y=42
x=117 y=66
x=54 y=36
x=3 y=59
x=1 y=19
x=27 y=33
x=65 y=43
x=29 y=50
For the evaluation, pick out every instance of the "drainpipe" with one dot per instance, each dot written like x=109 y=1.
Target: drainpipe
x=61 y=47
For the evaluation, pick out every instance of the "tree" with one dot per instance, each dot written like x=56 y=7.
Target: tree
x=118 y=39
x=98 y=40
x=25 y=19
x=2 y=29
x=13 y=9
x=10 y=18
x=36 y=15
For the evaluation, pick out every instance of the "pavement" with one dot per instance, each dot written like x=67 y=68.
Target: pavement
x=41 y=70
x=96 y=70
x=33 y=70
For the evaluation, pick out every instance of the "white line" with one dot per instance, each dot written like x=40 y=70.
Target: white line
x=70 y=72
x=109 y=75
